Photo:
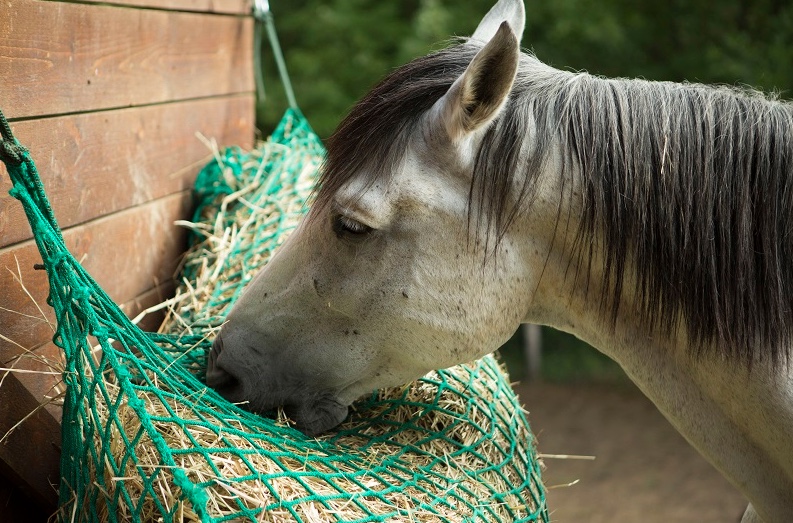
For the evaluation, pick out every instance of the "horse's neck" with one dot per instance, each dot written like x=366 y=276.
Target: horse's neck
x=740 y=420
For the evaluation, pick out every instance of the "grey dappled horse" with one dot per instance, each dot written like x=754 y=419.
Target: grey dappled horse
x=477 y=188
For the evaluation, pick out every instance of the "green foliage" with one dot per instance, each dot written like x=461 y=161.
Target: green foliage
x=731 y=41
x=565 y=359
x=337 y=49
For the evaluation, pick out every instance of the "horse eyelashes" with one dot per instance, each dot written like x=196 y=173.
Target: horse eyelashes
x=346 y=226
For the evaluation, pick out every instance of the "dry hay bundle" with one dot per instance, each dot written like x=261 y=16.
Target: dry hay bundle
x=147 y=441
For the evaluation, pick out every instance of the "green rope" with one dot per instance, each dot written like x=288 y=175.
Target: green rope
x=262 y=14
x=128 y=392
x=17 y=159
x=10 y=150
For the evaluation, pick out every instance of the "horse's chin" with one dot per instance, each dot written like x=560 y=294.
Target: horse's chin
x=317 y=417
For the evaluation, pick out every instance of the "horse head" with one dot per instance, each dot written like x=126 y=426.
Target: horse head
x=392 y=273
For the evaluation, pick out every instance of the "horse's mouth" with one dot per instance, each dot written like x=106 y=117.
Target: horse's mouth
x=311 y=417
x=315 y=417
x=313 y=412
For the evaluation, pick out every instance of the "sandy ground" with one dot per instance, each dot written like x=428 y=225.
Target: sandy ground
x=643 y=471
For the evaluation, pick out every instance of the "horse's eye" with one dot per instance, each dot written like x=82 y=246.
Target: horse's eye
x=346 y=226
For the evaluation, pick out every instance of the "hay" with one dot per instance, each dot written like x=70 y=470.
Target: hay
x=278 y=478
x=451 y=446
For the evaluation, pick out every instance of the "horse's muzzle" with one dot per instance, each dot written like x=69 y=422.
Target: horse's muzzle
x=313 y=411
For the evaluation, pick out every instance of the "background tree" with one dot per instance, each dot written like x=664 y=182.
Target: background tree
x=337 y=49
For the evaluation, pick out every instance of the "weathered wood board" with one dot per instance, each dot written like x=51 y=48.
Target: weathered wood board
x=63 y=58
x=99 y=163
x=240 y=7
x=109 y=97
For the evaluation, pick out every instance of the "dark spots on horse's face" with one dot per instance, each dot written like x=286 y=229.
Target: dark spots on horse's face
x=405 y=294
x=316 y=284
x=356 y=332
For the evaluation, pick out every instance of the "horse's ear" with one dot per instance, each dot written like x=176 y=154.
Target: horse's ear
x=477 y=96
x=511 y=11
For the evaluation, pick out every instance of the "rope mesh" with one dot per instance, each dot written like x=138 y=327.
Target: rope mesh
x=145 y=440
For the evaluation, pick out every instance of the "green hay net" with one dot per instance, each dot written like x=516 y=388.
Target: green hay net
x=145 y=440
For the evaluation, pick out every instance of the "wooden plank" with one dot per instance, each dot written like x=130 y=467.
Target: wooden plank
x=240 y=7
x=99 y=163
x=58 y=58
x=16 y=506
x=39 y=371
x=29 y=457
x=20 y=395
x=35 y=368
x=127 y=253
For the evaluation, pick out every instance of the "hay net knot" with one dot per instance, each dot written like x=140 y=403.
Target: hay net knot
x=145 y=440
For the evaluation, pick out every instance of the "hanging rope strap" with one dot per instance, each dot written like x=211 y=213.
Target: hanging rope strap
x=24 y=176
x=263 y=16
x=11 y=151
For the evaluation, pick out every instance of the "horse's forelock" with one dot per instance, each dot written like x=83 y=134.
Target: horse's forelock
x=373 y=138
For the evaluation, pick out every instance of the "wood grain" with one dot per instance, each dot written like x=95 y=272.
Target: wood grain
x=30 y=456
x=108 y=95
x=127 y=253
x=17 y=506
x=99 y=163
x=58 y=58
x=241 y=7
x=39 y=365
x=38 y=370
x=39 y=435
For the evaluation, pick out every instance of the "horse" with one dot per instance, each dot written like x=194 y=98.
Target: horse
x=476 y=188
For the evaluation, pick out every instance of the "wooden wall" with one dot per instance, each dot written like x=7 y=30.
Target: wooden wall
x=108 y=96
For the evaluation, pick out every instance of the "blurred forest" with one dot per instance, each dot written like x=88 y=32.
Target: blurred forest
x=336 y=50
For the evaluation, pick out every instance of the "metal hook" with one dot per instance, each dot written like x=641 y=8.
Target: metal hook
x=261 y=8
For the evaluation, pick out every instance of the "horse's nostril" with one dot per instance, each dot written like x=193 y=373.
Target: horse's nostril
x=217 y=377
x=217 y=346
x=225 y=383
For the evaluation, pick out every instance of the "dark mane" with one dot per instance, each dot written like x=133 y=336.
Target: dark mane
x=686 y=187
x=375 y=133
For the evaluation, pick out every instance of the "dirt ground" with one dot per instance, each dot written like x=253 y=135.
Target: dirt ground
x=643 y=471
